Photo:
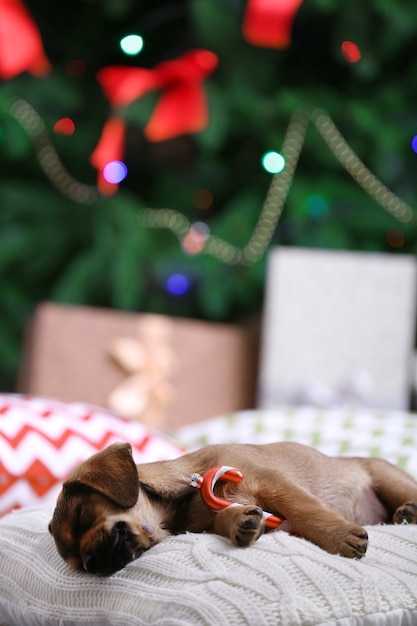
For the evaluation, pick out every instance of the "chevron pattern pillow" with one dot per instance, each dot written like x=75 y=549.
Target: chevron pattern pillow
x=42 y=440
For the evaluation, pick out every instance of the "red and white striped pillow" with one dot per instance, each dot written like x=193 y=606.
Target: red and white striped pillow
x=42 y=440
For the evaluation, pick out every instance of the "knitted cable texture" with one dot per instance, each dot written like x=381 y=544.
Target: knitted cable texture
x=202 y=580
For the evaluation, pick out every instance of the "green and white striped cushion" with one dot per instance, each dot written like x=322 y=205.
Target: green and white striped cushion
x=350 y=432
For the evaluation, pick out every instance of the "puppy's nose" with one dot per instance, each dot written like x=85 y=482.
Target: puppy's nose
x=89 y=563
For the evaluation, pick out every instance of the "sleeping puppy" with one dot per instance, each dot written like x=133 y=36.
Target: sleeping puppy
x=110 y=510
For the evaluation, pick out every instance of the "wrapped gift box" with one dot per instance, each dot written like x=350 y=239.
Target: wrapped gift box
x=338 y=328
x=162 y=370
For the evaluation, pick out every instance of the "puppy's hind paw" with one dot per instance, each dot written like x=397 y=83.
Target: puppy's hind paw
x=406 y=514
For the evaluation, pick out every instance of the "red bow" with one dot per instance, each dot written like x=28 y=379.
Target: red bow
x=109 y=148
x=182 y=107
x=268 y=23
x=21 y=46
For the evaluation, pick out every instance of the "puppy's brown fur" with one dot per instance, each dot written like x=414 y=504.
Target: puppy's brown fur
x=110 y=510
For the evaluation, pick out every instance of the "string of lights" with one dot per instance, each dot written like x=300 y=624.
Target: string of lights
x=279 y=189
x=47 y=156
x=358 y=170
x=268 y=218
x=192 y=237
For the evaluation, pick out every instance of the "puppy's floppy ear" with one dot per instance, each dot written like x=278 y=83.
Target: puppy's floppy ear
x=111 y=473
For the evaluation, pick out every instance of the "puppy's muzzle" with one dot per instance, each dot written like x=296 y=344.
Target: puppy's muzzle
x=113 y=551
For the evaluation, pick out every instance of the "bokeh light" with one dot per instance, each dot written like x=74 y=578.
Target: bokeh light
x=114 y=172
x=414 y=143
x=351 y=52
x=203 y=198
x=64 y=126
x=201 y=228
x=316 y=205
x=395 y=238
x=177 y=284
x=195 y=240
x=131 y=44
x=273 y=162
x=76 y=68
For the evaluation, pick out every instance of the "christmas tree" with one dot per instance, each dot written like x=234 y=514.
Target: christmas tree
x=228 y=125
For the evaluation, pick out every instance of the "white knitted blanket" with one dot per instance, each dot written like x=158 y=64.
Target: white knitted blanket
x=200 y=580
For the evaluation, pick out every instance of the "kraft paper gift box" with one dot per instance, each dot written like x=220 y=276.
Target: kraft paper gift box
x=162 y=370
x=338 y=329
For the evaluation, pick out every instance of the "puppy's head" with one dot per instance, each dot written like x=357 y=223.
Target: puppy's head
x=96 y=525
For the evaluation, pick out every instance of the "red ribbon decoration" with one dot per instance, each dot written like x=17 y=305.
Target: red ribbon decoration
x=110 y=147
x=182 y=107
x=268 y=23
x=21 y=48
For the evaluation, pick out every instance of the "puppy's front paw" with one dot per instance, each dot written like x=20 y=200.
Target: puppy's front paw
x=355 y=543
x=248 y=526
x=341 y=537
x=406 y=514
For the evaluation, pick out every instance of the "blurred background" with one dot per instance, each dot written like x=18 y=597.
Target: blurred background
x=138 y=142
